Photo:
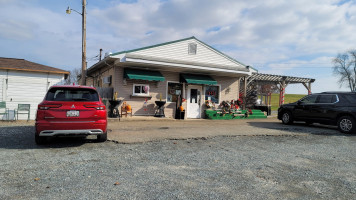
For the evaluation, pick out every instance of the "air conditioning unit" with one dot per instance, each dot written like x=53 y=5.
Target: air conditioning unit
x=107 y=54
x=107 y=80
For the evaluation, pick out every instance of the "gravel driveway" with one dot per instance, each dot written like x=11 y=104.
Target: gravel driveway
x=315 y=164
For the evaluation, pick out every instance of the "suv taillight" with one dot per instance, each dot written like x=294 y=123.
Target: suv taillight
x=98 y=107
x=48 y=106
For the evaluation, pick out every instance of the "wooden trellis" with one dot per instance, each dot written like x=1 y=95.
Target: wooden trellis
x=281 y=81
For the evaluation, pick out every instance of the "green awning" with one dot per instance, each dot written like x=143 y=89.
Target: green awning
x=146 y=75
x=198 y=79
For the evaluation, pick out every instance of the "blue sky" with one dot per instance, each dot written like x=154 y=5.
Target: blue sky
x=293 y=38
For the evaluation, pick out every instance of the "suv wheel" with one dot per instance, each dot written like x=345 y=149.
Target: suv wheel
x=308 y=122
x=103 y=137
x=346 y=124
x=40 y=139
x=287 y=118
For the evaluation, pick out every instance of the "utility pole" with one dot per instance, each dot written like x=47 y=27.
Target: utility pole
x=84 y=45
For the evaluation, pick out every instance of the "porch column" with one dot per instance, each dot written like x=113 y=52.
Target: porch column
x=245 y=93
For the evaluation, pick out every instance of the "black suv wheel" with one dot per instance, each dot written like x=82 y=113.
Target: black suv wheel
x=346 y=124
x=40 y=140
x=287 y=118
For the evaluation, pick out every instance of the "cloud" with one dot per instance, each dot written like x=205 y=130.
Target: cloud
x=39 y=34
x=307 y=27
x=275 y=36
x=16 y=30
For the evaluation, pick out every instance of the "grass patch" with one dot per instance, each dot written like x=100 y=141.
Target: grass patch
x=288 y=98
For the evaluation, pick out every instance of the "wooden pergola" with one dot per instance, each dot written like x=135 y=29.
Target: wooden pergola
x=281 y=81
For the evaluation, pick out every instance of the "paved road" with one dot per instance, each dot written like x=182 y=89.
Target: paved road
x=303 y=163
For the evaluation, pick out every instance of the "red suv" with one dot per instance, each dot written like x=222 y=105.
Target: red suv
x=70 y=111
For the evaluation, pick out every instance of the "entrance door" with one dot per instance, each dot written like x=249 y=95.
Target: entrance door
x=193 y=98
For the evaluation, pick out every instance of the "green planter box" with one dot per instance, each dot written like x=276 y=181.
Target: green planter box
x=219 y=115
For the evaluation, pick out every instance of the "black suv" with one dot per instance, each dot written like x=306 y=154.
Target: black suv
x=333 y=108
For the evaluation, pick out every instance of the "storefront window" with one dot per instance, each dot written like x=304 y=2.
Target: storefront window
x=141 y=89
x=174 y=91
x=212 y=93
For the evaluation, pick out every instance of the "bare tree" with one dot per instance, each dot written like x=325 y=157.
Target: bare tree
x=73 y=77
x=345 y=69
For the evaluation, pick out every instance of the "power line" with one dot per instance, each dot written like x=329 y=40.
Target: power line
x=295 y=63
x=292 y=67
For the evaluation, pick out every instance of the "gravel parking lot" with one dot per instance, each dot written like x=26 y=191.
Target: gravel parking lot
x=304 y=163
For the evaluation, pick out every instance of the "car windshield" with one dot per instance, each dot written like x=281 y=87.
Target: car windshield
x=72 y=94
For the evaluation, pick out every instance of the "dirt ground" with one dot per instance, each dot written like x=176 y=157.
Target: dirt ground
x=190 y=159
x=140 y=129
x=145 y=129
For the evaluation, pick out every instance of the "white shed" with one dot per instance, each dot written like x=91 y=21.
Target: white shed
x=25 y=82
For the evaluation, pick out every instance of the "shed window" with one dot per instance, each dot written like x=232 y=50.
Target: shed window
x=192 y=49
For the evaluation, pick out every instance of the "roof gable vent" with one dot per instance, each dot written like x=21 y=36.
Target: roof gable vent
x=192 y=48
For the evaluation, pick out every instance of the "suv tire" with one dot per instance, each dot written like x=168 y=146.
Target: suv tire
x=40 y=140
x=309 y=122
x=346 y=124
x=103 y=137
x=287 y=118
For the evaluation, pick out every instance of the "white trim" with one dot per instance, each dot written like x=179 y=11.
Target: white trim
x=185 y=66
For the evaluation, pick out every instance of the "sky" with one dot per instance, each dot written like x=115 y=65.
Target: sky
x=293 y=38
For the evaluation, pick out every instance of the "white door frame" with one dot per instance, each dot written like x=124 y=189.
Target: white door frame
x=190 y=112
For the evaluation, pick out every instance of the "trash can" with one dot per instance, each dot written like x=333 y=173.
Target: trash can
x=180 y=114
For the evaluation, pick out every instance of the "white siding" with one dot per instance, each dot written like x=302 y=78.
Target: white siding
x=28 y=88
x=2 y=84
x=179 y=51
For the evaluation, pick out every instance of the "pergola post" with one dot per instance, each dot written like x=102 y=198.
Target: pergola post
x=280 y=81
x=282 y=90
x=308 y=87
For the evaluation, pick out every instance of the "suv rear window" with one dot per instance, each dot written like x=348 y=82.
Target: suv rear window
x=327 y=98
x=72 y=94
x=350 y=98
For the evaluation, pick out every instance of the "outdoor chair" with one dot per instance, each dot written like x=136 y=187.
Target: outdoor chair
x=23 y=109
x=125 y=110
x=3 y=110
